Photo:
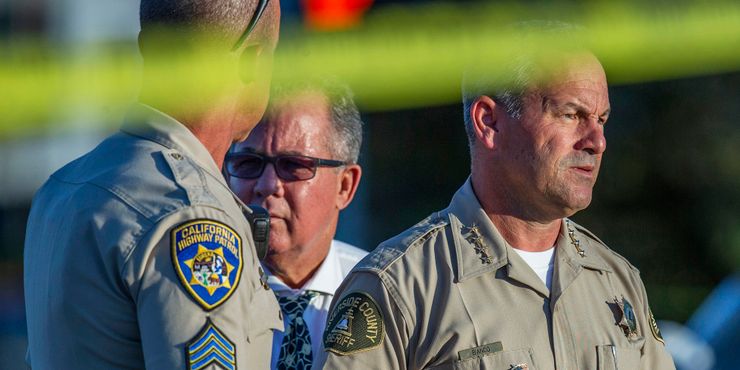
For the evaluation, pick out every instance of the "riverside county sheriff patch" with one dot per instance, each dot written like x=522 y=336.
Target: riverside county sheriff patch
x=654 y=328
x=208 y=260
x=355 y=325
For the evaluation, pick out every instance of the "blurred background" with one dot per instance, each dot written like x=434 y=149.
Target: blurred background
x=668 y=197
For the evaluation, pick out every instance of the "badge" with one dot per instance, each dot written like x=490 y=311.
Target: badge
x=654 y=328
x=210 y=347
x=628 y=323
x=208 y=259
x=355 y=325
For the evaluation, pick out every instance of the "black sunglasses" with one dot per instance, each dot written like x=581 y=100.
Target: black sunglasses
x=261 y=6
x=288 y=167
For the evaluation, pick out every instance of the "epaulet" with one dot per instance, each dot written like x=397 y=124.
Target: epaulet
x=392 y=249
x=595 y=238
x=190 y=177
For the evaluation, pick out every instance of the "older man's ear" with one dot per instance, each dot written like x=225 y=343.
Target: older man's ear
x=349 y=179
x=483 y=113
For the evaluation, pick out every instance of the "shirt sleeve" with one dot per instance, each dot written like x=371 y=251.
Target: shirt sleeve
x=198 y=294
x=365 y=329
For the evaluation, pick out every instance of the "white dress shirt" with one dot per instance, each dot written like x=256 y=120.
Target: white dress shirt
x=338 y=263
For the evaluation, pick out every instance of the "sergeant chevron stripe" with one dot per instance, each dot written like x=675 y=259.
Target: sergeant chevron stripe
x=210 y=346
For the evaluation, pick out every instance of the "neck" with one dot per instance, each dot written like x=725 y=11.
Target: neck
x=217 y=141
x=528 y=236
x=214 y=127
x=521 y=228
x=296 y=267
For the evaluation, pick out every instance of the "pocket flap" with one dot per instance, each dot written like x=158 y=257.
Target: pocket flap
x=266 y=313
x=611 y=357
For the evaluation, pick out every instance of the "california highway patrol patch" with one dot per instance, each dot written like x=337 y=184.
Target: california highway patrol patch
x=208 y=259
x=355 y=325
x=210 y=347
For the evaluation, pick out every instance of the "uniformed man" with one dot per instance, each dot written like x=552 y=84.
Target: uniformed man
x=502 y=279
x=137 y=254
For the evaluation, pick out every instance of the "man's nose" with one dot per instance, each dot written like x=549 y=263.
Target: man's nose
x=268 y=183
x=593 y=140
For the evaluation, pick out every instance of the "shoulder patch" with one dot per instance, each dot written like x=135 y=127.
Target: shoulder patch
x=210 y=347
x=355 y=325
x=654 y=328
x=207 y=256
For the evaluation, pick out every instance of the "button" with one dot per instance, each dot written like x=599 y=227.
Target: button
x=177 y=156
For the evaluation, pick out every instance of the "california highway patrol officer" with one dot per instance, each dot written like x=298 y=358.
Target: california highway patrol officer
x=502 y=279
x=137 y=254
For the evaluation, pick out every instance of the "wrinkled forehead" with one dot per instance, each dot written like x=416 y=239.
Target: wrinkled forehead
x=579 y=77
x=297 y=124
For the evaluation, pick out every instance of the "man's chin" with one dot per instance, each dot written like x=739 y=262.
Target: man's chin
x=577 y=204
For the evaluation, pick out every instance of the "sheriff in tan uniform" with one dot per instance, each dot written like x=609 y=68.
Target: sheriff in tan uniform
x=450 y=293
x=465 y=289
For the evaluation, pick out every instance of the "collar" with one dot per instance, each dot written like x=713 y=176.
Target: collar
x=151 y=124
x=465 y=212
x=325 y=280
x=566 y=249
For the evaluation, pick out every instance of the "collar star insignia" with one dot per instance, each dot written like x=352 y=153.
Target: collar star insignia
x=474 y=237
x=573 y=240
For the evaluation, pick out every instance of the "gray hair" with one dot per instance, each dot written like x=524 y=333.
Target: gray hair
x=511 y=81
x=346 y=122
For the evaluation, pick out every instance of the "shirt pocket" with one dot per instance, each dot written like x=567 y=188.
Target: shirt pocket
x=504 y=360
x=265 y=315
x=611 y=357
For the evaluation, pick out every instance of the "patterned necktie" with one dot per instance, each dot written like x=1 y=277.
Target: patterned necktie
x=295 y=351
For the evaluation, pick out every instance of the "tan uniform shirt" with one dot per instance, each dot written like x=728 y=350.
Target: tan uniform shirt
x=450 y=293
x=137 y=255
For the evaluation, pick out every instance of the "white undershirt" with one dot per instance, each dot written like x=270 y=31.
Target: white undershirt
x=541 y=262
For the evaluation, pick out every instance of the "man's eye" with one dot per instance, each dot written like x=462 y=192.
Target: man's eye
x=248 y=164
x=570 y=116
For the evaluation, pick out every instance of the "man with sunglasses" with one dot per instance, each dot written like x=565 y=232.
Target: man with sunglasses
x=300 y=163
x=137 y=254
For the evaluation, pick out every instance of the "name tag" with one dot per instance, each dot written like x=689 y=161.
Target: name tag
x=484 y=350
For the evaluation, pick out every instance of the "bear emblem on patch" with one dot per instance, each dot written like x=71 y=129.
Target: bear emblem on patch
x=207 y=256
